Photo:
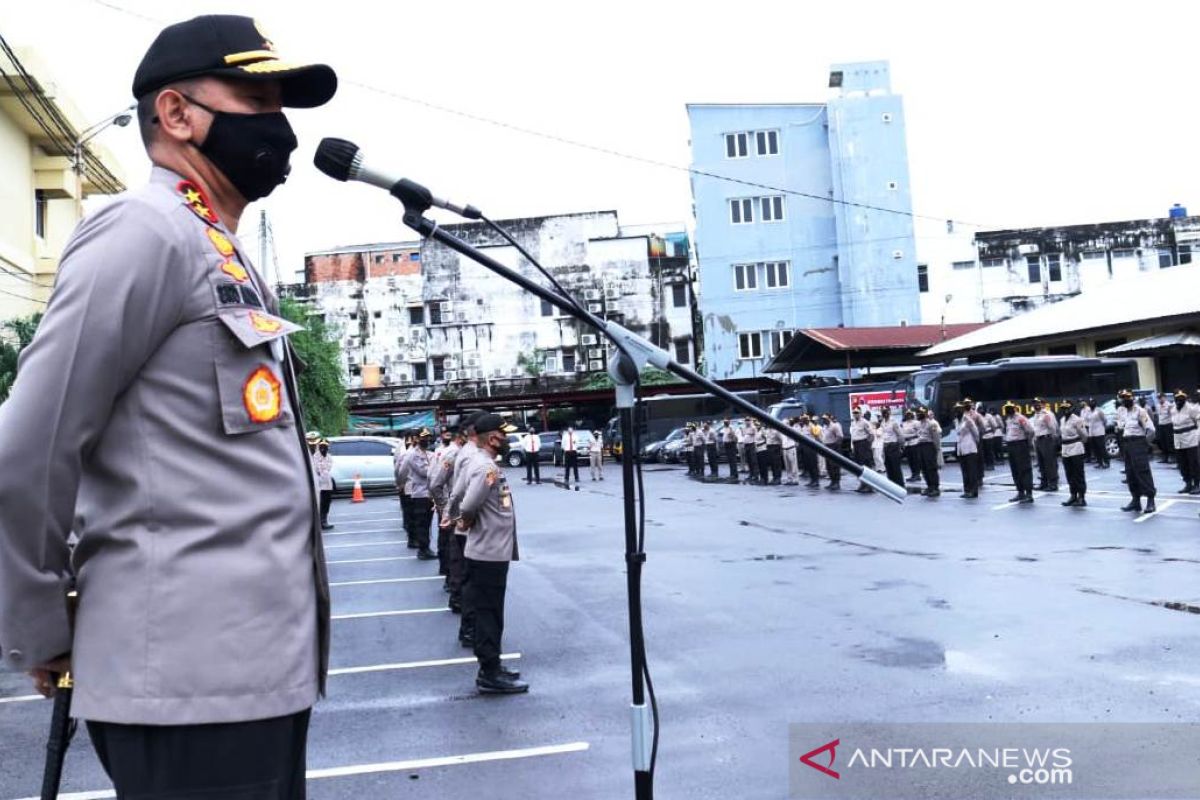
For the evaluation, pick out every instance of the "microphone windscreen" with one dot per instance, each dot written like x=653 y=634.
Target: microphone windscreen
x=335 y=157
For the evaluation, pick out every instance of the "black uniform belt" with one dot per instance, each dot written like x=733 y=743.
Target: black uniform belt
x=1071 y=441
x=910 y=441
x=1185 y=430
x=1045 y=435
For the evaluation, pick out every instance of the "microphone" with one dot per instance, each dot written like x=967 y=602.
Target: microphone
x=343 y=161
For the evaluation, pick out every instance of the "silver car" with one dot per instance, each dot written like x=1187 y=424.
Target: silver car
x=370 y=458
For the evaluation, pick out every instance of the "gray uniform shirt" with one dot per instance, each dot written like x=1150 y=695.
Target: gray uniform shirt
x=416 y=473
x=154 y=417
x=487 y=502
x=458 y=485
x=442 y=473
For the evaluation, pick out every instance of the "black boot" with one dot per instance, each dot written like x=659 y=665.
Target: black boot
x=1071 y=501
x=1082 y=503
x=1134 y=505
x=496 y=682
x=1150 y=508
x=425 y=554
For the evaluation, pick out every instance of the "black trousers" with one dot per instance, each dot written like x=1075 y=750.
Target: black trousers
x=764 y=464
x=258 y=760
x=913 y=456
x=988 y=453
x=571 y=460
x=458 y=574
x=998 y=448
x=444 y=535
x=1076 y=479
x=326 y=502
x=834 y=469
x=421 y=513
x=891 y=463
x=731 y=456
x=533 y=470
x=1099 y=452
x=751 y=460
x=698 y=459
x=406 y=515
x=808 y=462
x=485 y=595
x=1137 y=467
x=971 y=465
x=1166 y=439
x=711 y=451
x=929 y=465
x=775 y=462
x=1047 y=458
x=1189 y=464
x=862 y=452
x=1018 y=464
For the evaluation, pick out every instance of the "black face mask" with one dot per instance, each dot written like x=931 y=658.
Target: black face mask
x=1127 y=403
x=1179 y=403
x=251 y=150
x=502 y=447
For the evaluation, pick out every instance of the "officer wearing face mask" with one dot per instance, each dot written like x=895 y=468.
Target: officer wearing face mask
x=202 y=636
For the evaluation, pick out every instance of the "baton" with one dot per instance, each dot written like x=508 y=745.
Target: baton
x=62 y=727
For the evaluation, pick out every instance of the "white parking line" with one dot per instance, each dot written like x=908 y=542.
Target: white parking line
x=367 y=521
x=392 y=766
x=1004 y=506
x=440 y=662
x=370 y=560
x=404 y=613
x=25 y=698
x=388 y=580
x=361 y=533
x=1160 y=507
x=364 y=544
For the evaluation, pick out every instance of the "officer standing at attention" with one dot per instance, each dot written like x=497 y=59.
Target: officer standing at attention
x=892 y=435
x=1097 y=433
x=746 y=439
x=860 y=443
x=1166 y=433
x=1017 y=435
x=729 y=440
x=156 y=410
x=1136 y=430
x=831 y=436
x=808 y=457
x=458 y=576
x=1074 y=436
x=987 y=432
x=1045 y=435
x=761 y=455
x=710 y=449
x=596 y=456
x=929 y=443
x=697 y=451
x=440 y=473
x=323 y=463
x=1184 y=421
x=774 y=442
x=400 y=462
x=791 y=464
x=489 y=521
x=970 y=441
x=912 y=453
x=570 y=451
x=531 y=444
x=416 y=469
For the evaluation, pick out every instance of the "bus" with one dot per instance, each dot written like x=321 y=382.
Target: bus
x=839 y=400
x=1052 y=378
x=659 y=414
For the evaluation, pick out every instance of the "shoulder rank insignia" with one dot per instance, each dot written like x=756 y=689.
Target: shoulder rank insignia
x=236 y=271
x=491 y=476
x=220 y=241
x=196 y=201
x=264 y=323
x=261 y=395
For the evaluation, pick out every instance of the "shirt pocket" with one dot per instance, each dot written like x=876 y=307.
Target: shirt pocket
x=247 y=358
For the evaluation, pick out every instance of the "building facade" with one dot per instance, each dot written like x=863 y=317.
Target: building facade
x=809 y=223
x=43 y=192
x=419 y=315
x=994 y=275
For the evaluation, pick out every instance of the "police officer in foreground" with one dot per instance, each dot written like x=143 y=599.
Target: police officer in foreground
x=1045 y=443
x=860 y=443
x=929 y=444
x=710 y=449
x=175 y=439
x=1074 y=438
x=1136 y=431
x=1185 y=416
x=831 y=437
x=729 y=440
x=488 y=519
x=1018 y=433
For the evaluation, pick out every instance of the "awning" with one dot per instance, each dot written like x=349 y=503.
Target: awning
x=816 y=349
x=393 y=422
x=1176 y=343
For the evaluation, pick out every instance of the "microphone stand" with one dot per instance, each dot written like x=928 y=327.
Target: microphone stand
x=634 y=353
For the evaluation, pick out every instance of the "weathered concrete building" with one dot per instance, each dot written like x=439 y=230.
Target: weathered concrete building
x=418 y=314
x=1008 y=272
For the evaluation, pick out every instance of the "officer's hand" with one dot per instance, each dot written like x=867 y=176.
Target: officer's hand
x=45 y=676
x=465 y=523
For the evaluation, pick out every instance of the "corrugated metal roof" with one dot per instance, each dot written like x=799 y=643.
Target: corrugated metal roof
x=1149 y=296
x=891 y=337
x=1164 y=341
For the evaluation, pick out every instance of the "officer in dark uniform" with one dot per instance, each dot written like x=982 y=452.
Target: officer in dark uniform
x=1136 y=428
x=710 y=449
x=729 y=442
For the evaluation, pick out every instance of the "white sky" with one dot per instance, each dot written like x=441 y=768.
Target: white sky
x=1019 y=113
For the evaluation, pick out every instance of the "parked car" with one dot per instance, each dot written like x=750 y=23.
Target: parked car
x=516 y=451
x=372 y=458
x=672 y=452
x=583 y=439
x=652 y=451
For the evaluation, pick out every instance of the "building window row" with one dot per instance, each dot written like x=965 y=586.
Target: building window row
x=762 y=275
x=742 y=210
x=740 y=143
x=750 y=343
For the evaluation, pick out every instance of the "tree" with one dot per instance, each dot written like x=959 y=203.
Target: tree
x=651 y=376
x=322 y=390
x=530 y=363
x=15 y=336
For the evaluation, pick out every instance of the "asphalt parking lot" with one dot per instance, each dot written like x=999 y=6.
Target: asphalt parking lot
x=764 y=606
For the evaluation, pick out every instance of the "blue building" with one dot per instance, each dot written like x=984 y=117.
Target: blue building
x=815 y=227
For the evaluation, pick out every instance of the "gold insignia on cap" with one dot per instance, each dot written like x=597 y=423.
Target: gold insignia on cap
x=265 y=324
x=236 y=271
x=220 y=241
x=261 y=395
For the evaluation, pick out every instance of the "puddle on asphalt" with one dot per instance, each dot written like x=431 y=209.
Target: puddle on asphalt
x=906 y=652
x=939 y=603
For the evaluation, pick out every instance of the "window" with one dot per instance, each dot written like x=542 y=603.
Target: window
x=994 y=262
x=963 y=265
x=1063 y=350
x=1185 y=254
x=779 y=340
x=750 y=345
x=741 y=210
x=767 y=142
x=40 y=204
x=568 y=360
x=745 y=277
x=547 y=308
x=420 y=372
x=1054 y=266
x=378 y=259
x=439 y=368
x=682 y=351
x=1165 y=259
x=416 y=315
x=396 y=257
x=922 y=277
x=377 y=314
x=772 y=208
x=1034 y=263
x=736 y=145
x=678 y=295
x=551 y=364
x=435 y=313
x=777 y=274
x=414 y=256
x=1124 y=252
x=1093 y=255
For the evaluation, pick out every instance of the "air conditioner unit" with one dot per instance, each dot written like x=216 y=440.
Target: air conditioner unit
x=461 y=316
x=450 y=375
x=479 y=374
x=588 y=339
x=596 y=353
x=515 y=372
x=403 y=377
x=596 y=365
x=581 y=367
x=592 y=294
x=595 y=308
x=612 y=293
x=897 y=254
x=1027 y=249
x=450 y=362
x=473 y=360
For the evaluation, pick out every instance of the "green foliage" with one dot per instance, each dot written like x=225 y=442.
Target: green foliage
x=651 y=376
x=15 y=336
x=322 y=390
x=531 y=364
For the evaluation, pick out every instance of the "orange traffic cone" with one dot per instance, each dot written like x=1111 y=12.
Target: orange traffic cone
x=357 y=497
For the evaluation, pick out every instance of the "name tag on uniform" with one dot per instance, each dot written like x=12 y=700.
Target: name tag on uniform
x=505 y=495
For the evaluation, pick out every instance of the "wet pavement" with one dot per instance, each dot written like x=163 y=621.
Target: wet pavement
x=764 y=606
